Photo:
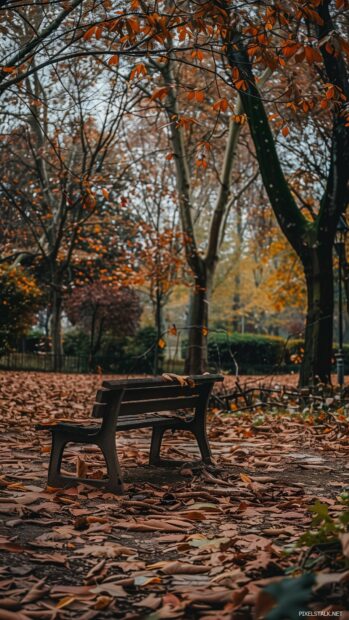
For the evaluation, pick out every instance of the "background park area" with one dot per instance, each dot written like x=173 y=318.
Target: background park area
x=174 y=186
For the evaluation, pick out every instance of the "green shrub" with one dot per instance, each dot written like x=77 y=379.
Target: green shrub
x=249 y=353
x=139 y=351
x=257 y=353
x=131 y=354
x=76 y=342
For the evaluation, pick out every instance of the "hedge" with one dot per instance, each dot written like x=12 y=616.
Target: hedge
x=256 y=353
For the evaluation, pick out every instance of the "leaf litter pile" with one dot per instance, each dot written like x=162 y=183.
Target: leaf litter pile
x=261 y=534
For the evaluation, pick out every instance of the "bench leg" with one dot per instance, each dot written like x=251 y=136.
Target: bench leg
x=115 y=482
x=54 y=470
x=156 y=439
x=201 y=437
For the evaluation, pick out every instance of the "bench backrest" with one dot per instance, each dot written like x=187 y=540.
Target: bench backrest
x=154 y=394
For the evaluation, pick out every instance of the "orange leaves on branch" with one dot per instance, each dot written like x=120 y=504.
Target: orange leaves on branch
x=132 y=25
x=310 y=14
x=221 y=105
x=238 y=82
x=159 y=93
x=334 y=92
x=105 y=193
x=253 y=50
x=289 y=48
x=7 y=69
x=204 y=145
x=113 y=60
x=161 y=343
x=241 y=85
x=183 y=33
x=201 y=162
x=95 y=31
x=186 y=122
x=197 y=54
x=311 y=54
x=239 y=119
x=196 y=95
x=285 y=131
x=138 y=71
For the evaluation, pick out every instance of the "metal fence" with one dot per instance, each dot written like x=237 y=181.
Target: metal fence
x=47 y=362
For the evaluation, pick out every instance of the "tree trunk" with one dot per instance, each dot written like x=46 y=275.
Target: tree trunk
x=318 y=269
x=236 y=322
x=56 y=328
x=197 y=355
x=159 y=326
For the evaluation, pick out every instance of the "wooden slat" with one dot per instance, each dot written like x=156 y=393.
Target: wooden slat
x=129 y=422
x=159 y=380
x=160 y=392
x=99 y=409
x=151 y=406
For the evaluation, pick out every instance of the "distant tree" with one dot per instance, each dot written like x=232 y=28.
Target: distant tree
x=69 y=172
x=19 y=301
x=100 y=308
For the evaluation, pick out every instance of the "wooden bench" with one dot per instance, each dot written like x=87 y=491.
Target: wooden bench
x=165 y=402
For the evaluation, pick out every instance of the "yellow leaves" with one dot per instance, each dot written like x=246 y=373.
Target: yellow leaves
x=221 y=105
x=113 y=60
x=139 y=70
x=204 y=331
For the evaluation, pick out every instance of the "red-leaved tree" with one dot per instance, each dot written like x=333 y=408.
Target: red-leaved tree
x=99 y=308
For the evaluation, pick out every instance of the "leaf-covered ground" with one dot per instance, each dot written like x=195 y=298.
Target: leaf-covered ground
x=189 y=542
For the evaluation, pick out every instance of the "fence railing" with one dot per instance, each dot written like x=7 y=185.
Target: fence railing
x=45 y=362
x=48 y=362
